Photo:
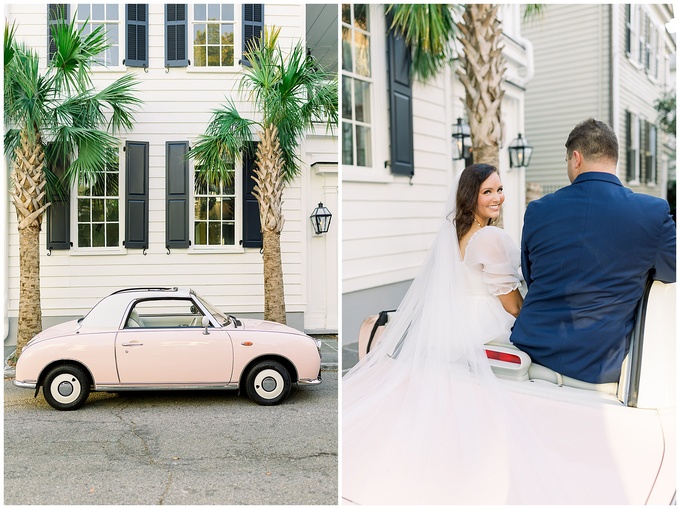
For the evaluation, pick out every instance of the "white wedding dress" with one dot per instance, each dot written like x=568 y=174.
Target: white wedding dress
x=424 y=419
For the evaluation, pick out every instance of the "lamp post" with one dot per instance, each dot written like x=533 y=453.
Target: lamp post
x=321 y=219
x=520 y=152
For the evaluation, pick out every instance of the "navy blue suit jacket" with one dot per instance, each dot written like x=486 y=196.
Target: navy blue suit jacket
x=587 y=250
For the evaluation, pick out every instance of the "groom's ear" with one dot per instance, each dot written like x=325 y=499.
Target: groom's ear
x=578 y=158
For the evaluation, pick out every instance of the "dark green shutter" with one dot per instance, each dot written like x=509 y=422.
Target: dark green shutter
x=401 y=105
x=177 y=194
x=137 y=195
x=55 y=14
x=252 y=234
x=176 y=35
x=136 y=35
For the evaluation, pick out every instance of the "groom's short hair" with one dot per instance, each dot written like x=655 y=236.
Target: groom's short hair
x=594 y=140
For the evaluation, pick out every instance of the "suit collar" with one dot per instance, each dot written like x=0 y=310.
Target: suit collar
x=597 y=175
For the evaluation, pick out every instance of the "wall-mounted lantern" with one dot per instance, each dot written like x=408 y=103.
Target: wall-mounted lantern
x=520 y=152
x=459 y=133
x=321 y=219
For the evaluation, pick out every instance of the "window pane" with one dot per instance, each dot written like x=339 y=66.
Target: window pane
x=111 y=184
x=347 y=97
x=98 y=12
x=346 y=13
x=97 y=210
x=213 y=12
x=214 y=237
x=228 y=209
x=83 y=12
x=347 y=144
x=228 y=235
x=199 y=34
x=363 y=146
x=214 y=208
x=199 y=12
x=84 y=211
x=227 y=55
x=362 y=54
x=201 y=208
x=201 y=233
x=227 y=33
x=112 y=210
x=361 y=16
x=84 y=235
x=229 y=187
x=111 y=33
x=362 y=101
x=199 y=56
x=213 y=33
x=112 y=12
x=346 y=49
x=213 y=56
x=98 y=237
x=112 y=234
x=227 y=12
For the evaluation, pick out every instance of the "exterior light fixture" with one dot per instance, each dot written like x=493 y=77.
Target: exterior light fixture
x=321 y=219
x=520 y=152
x=460 y=131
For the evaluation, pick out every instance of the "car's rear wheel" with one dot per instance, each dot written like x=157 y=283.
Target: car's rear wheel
x=268 y=383
x=66 y=387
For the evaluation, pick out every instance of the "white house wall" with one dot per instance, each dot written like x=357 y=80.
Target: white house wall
x=570 y=82
x=177 y=105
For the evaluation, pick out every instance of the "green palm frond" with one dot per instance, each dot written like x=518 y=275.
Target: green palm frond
x=429 y=30
x=226 y=136
x=75 y=53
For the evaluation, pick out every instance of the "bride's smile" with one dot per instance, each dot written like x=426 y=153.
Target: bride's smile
x=490 y=199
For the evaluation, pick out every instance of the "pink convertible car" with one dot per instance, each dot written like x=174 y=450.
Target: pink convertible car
x=166 y=338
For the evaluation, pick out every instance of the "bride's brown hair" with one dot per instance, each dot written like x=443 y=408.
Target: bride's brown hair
x=466 y=196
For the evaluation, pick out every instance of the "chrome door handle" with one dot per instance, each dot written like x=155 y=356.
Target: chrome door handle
x=133 y=344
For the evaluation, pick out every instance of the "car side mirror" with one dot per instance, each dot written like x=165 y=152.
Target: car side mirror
x=205 y=322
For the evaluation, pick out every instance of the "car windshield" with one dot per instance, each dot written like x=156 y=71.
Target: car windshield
x=221 y=317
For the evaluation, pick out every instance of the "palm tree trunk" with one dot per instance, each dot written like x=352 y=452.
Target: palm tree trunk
x=28 y=196
x=269 y=193
x=482 y=75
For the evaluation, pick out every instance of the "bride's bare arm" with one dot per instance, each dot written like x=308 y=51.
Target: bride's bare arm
x=512 y=302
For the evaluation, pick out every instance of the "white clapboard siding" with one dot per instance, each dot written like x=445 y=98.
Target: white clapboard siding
x=387 y=227
x=570 y=82
x=177 y=106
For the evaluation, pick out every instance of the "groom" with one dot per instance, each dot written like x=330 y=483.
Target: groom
x=587 y=251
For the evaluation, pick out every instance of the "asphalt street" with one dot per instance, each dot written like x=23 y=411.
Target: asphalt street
x=177 y=448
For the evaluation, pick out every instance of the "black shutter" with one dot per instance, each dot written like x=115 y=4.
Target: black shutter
x=136 y=35
x=137 y=195
x=58 y=225
x=252 y=234
x=401 y=105
x=253 y=24
x=630 y=151
x=177 y=194
x=176 y=35
x=55 y=14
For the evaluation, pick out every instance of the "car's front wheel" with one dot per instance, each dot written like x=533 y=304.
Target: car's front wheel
x=268 y=383
x=66 y=387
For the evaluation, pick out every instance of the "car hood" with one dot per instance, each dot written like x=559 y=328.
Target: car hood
x=253 y=324
x=56 y=331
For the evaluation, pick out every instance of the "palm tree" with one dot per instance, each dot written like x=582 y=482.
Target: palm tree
x=291 y=93
x=430 y=31
x=55 y=118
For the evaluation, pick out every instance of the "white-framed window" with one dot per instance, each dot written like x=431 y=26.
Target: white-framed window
x=216 y=209
x=108 y=16
x=357 y=86
x=98 y=210
x=213 y=35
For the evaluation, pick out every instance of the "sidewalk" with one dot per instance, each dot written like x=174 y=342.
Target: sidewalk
x=329 y=354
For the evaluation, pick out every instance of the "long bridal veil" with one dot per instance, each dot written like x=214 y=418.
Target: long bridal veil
x=424 y=419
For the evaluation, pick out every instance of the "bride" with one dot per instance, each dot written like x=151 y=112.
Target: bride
x=424 y=419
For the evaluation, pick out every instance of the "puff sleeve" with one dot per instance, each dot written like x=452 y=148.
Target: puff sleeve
x=492 y=252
